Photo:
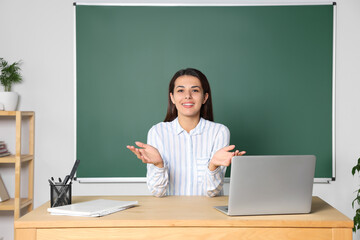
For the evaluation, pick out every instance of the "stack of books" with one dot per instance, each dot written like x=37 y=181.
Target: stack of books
x=3 y=150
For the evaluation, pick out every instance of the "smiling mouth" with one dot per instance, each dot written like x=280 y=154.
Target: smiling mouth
x=188 y=105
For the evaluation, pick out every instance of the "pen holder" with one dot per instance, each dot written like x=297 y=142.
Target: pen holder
x=60 y=195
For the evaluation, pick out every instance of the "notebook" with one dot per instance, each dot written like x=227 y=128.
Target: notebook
x=270 y=185
x=94 y=208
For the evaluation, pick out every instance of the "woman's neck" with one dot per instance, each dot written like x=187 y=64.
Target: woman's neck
x=188 y=123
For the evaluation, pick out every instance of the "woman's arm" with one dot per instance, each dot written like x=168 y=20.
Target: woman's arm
x=157 y=172
x=157 y=176
x=157 y=180
x=221 y=158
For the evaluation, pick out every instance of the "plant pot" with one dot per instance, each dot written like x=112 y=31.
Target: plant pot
x=9 y=100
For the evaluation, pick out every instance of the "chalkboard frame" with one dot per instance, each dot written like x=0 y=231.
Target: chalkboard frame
x=143 y=179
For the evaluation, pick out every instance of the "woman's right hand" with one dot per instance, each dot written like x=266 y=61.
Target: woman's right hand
x=147 y=154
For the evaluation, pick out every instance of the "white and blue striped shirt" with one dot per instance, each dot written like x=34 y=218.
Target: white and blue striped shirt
x=186 y=157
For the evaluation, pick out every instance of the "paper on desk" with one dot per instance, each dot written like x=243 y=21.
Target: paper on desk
x=94 y=208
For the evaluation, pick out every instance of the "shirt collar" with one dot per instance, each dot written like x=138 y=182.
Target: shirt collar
x=197 y=130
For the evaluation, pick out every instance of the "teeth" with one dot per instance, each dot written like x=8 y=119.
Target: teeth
x=188 y=104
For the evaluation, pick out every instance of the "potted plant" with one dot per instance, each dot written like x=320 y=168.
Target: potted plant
x=10 y=74
x=355 y=169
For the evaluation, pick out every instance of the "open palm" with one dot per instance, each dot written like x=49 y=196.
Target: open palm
x=147 y=154
x=223 y=157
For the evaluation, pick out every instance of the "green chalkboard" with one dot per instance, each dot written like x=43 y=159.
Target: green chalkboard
x=269 y=67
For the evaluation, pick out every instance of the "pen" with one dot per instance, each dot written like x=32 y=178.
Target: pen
x=66 y=179
x=73 y=170
x=51 y=182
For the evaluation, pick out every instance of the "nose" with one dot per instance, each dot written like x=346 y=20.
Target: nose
x=188 y=95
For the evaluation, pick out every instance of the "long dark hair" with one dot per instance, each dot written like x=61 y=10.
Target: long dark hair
x=206 y=110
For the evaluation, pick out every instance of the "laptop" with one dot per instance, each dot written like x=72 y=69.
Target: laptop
x=261 y=185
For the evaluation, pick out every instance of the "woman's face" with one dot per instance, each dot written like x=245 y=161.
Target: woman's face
x=188 y=96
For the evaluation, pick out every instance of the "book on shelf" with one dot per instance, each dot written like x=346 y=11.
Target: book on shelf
x=3 y=150
x=5 y=154
x=4 y=195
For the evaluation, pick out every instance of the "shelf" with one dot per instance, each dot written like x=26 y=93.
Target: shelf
x=9 y=205
x=17 y=203
x=12 y=158
x=13 y=113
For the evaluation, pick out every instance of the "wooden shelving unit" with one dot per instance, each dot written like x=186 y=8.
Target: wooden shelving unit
x=16 y=204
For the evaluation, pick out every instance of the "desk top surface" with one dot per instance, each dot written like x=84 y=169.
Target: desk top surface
x=173 y=211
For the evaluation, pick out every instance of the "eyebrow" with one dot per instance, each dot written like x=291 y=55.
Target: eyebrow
x=191 y=86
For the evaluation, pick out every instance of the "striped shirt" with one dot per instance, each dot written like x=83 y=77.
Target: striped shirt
x=186 y=157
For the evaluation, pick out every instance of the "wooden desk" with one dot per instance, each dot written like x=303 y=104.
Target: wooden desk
x=184 y=218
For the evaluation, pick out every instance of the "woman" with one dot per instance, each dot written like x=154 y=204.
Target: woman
x=188 y=153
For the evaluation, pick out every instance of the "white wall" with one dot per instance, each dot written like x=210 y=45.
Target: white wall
x=40 y=32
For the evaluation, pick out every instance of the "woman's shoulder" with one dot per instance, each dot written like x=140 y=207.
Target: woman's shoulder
x=215 y=125
x=161 y=126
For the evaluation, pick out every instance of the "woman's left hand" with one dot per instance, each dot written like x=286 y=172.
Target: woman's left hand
x=223 y=157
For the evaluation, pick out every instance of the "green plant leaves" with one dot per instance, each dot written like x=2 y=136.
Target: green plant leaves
x=357 y=221
x=355 y=169
x=10 y=74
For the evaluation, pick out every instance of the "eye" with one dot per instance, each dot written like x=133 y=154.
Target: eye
x=180 y=90
x=196 y=90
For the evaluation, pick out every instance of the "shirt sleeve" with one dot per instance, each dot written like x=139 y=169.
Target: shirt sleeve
x=157 y=178
x=214 y=180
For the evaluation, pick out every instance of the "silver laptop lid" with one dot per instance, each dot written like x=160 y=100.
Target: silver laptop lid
x=271 y=184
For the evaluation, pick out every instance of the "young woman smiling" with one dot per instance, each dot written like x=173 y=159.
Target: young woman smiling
x=188 y=153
